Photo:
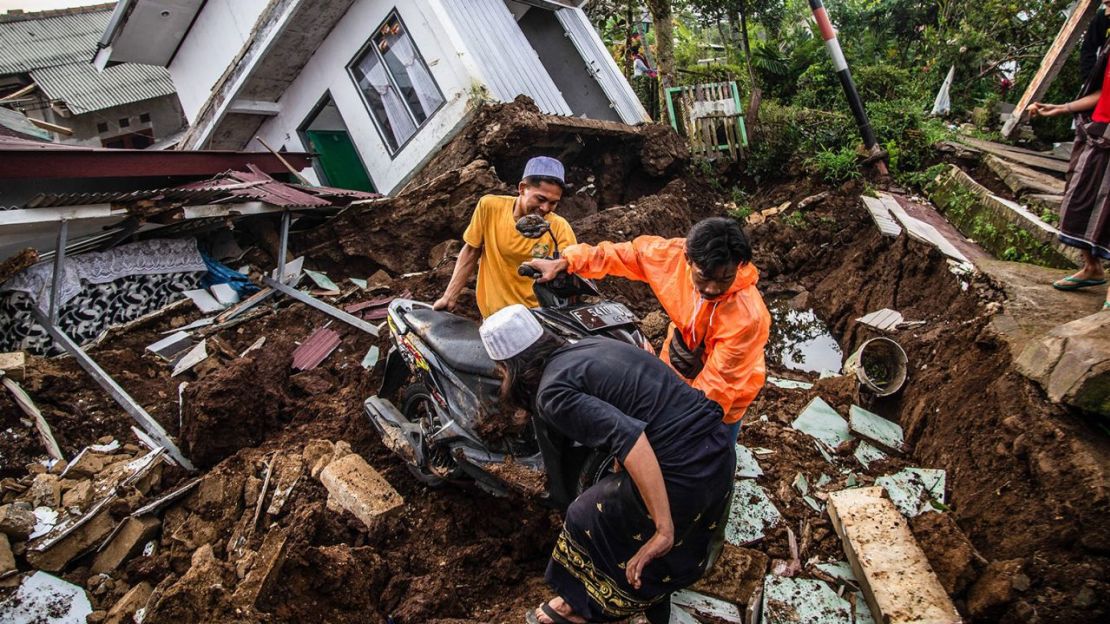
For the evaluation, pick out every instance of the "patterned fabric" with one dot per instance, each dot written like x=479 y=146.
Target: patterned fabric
x=150 y=257
x=1085 y=211
x=91 y=311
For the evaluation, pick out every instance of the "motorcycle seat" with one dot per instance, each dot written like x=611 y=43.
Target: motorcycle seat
x=454 y=338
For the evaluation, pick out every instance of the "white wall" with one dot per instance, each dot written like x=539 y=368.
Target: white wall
x=217 y=36
x=327 y=71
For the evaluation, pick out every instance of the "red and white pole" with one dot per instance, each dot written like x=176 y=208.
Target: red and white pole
x=840 y=64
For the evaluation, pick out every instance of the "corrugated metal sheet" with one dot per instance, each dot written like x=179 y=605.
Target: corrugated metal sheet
x=29 y=44
x=315 y=349
x=581 y=32
x=503 y=56
x=84 y=89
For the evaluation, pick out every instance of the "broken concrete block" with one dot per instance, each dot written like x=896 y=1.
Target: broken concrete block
x=287 y=472
x=86 y=464
x=42 y=597
x=355 y=486
x=885 y=434
x=317 y=454
x=78 y=496
x=126 y=543
x=45 y=491
x=746 y=465
x=123 y=612
x=260 y=580
x=752 y=513
x=16 y=521
x=52 y=553
x=891 y=568
x=821 y=421
x=914 y=490
x=735 y=576
x=13 y=364
x=7 y=559
x=802 y=601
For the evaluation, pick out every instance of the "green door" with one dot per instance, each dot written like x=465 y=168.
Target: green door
x=339 y=160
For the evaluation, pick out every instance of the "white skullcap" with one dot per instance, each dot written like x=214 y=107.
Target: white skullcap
x=509 y=331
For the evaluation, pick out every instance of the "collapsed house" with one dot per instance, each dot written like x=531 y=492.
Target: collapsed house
x=375 y=104
x=45 y=75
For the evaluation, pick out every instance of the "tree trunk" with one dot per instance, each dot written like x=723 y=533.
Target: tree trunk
x=627 y=65
x=664 y=45
x=745 y=43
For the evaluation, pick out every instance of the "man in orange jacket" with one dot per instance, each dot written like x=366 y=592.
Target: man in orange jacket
x=706 y=284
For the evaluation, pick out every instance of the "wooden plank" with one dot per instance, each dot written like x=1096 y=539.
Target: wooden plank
x=28 y=406
x=1053 y=61
x=1022 y=180
x=972 y=142
x=1003 y=151
x=897 y=581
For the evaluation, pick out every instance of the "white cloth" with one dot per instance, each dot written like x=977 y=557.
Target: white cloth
x=418 y=74
x=943 y=104
x=509 y=331
x=396 y=113
x=149 y=257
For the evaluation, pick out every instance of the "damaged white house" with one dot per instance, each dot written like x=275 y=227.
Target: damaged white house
x=373 y=87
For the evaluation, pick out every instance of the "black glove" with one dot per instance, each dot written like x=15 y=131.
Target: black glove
x=687 y=362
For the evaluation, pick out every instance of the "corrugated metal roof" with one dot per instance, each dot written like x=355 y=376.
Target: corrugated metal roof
x=34 y=42
x=601 y=64
x=17 y=123
x=84 y=89
x=315 y=349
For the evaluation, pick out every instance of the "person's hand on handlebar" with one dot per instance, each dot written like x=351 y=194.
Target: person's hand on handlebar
x=548 y=269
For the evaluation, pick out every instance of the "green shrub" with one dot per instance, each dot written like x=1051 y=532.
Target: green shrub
x=835 y=167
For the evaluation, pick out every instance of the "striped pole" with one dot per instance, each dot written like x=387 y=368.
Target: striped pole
x=828 y=33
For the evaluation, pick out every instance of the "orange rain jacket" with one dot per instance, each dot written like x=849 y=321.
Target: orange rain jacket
x=734 y=327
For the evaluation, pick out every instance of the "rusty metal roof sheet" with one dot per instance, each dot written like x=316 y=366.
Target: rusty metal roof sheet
x=315 y=349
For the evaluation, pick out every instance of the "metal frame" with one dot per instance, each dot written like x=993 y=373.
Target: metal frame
x=129 y=405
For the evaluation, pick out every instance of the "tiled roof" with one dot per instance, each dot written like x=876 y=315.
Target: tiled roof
x=84 y=89
x=32 y=41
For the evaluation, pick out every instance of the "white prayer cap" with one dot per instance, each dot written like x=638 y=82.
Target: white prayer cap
x=509 y=331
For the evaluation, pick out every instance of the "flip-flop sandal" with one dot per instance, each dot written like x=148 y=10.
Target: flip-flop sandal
x=1105 y=305
x=530 y=616
x=1071 y=283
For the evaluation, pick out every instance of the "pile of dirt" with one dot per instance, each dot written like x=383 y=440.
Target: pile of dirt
x=1025 y=538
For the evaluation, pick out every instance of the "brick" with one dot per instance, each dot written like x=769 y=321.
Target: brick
x=353 y=485
x=128 y=541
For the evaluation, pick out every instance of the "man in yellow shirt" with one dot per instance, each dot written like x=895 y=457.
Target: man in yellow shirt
x=493 y=245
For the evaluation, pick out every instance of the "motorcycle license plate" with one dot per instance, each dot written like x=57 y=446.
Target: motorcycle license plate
x=604 y=315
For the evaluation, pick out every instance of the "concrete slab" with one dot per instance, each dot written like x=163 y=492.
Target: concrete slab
x=125 y=543
x=707 y=606
x=893 y=571
x=54 y=552
x=865 y=454
x=1023 y=180
x=788 y=384
x=123 y=611
x=355 y=486
x=752 y=513
x=1072 y=363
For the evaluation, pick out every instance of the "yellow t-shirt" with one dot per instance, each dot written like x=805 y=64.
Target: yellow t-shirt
x=493 y=229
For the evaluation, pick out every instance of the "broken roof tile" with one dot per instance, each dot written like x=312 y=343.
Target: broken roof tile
x=752 y=513
x=884 y=433
x=802 y=601
x=822 y=422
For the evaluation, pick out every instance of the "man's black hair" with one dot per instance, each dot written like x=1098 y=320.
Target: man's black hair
x=717 y=242
x=536 y=180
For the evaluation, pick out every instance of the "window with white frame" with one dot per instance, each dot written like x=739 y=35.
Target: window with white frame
x=395 y=83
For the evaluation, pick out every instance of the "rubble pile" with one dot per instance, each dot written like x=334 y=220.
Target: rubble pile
x=299 y=513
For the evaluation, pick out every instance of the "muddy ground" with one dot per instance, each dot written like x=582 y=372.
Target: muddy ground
x=1026 y=539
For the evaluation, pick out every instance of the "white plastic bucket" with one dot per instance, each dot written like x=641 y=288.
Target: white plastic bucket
x=880 y=366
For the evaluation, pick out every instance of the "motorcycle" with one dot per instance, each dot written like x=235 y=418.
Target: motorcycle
x=449 y=392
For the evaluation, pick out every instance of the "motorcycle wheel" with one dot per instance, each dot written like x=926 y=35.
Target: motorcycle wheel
x=417 y=405
x=597 y=466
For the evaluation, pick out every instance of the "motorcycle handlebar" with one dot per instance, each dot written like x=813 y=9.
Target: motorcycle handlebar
x=525 y=270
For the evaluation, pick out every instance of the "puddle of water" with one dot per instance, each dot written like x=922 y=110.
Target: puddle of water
x=800 y=341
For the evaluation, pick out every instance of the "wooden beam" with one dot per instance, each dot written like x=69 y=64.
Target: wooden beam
x=26 y=216
x=28 y=406
x=1003 y=151
x=1054 y=60
x=46 y=125
x=20 y=93
x=896 y=578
